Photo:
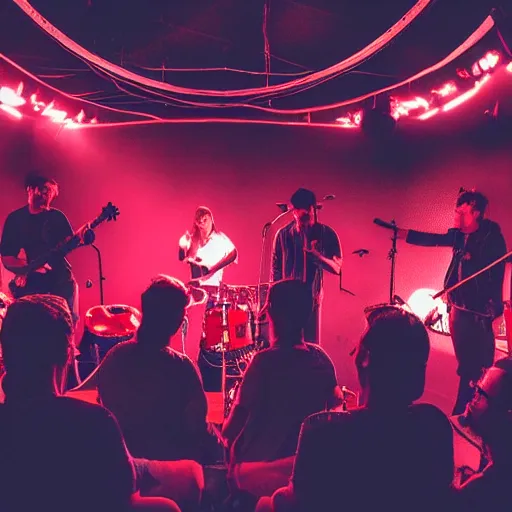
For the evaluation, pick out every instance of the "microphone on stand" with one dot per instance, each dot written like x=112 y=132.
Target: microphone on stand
x=361 y=252
x=282 y=206
x=384 y=224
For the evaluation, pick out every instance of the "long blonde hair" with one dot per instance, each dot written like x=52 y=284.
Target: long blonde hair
x=201 y=211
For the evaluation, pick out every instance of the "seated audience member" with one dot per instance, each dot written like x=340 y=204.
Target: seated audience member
x=282 y=385
x=388 y=454
x=489 y=416
x=56 y=453
x=154 y=391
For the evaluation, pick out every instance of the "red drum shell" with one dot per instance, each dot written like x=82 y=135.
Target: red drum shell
x=238 y=327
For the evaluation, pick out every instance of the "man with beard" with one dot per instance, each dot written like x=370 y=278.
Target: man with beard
x=302 y=250
x=30 y=233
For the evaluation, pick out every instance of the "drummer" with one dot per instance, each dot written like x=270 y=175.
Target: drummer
x=208 y=252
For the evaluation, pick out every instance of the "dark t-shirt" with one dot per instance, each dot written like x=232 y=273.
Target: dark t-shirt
x=37 y=234
x=62 y=454
x=281 y=387
x=288 y=255
x=158 y=399
x=366 y=459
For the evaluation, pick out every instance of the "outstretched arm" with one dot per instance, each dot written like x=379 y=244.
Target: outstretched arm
x=428 y=239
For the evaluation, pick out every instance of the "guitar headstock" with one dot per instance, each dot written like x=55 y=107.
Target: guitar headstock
x=110 y=212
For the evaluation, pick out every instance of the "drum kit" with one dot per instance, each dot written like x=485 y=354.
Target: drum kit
x=233 y=331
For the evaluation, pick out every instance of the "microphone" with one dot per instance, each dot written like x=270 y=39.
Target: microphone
x=361 y=252
x=282 y=206
x=384 y=224
x=329 y=197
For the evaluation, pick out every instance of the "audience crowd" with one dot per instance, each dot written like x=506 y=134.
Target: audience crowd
x=290 y=443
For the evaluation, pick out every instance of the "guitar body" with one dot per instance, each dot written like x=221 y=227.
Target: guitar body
x=33 y=283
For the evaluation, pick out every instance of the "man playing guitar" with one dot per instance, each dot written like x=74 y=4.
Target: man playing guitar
x=33 y=231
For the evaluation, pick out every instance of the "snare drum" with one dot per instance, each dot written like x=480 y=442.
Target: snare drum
x=238 y=328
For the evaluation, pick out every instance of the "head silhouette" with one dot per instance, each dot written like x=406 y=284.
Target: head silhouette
x=489 y=414
x=392 y=357
x=164 y=304
x=289 y=305
x=36 y=338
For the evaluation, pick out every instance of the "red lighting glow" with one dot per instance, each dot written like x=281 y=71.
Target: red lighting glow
x=11 y=97
x=11 y=110
x=57 y=116
x=402 y=108
x=465 y=96
x=422 y=109
x=446 y=90
x=350 y=121
x=486 y=63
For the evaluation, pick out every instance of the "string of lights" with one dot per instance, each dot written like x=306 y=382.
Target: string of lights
x=442 y=99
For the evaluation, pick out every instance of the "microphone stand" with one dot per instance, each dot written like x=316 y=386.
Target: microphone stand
x=100 y=272
x=102 y=297
x=265 y=231
x=392 y=256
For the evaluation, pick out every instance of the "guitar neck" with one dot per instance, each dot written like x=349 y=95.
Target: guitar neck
x=70 y=244
x=62 y=250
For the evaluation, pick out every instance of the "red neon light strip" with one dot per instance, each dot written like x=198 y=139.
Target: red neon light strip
x=428 y=114
x=11 y=110
x=70 y=96
x=207 y=120
x=336 y=69
x=465 y=96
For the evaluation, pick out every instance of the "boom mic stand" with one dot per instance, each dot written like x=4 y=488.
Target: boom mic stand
x=284 y=211
x=393 y=299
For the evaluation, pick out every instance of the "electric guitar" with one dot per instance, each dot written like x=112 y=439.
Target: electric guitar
x=33 y=280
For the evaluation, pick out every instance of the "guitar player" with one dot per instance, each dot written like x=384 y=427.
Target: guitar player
x=29 y=233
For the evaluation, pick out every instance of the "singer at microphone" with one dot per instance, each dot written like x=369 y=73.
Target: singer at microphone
x=303 y=250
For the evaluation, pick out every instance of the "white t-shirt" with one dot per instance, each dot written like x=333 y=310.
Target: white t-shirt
x=217 y=248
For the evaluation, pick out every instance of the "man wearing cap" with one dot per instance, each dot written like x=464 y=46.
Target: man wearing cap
x=302 y=250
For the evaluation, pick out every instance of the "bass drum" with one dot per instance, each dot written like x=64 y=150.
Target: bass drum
x=239 y=333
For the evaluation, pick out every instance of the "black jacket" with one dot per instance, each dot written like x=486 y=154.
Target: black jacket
x=484 y=293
